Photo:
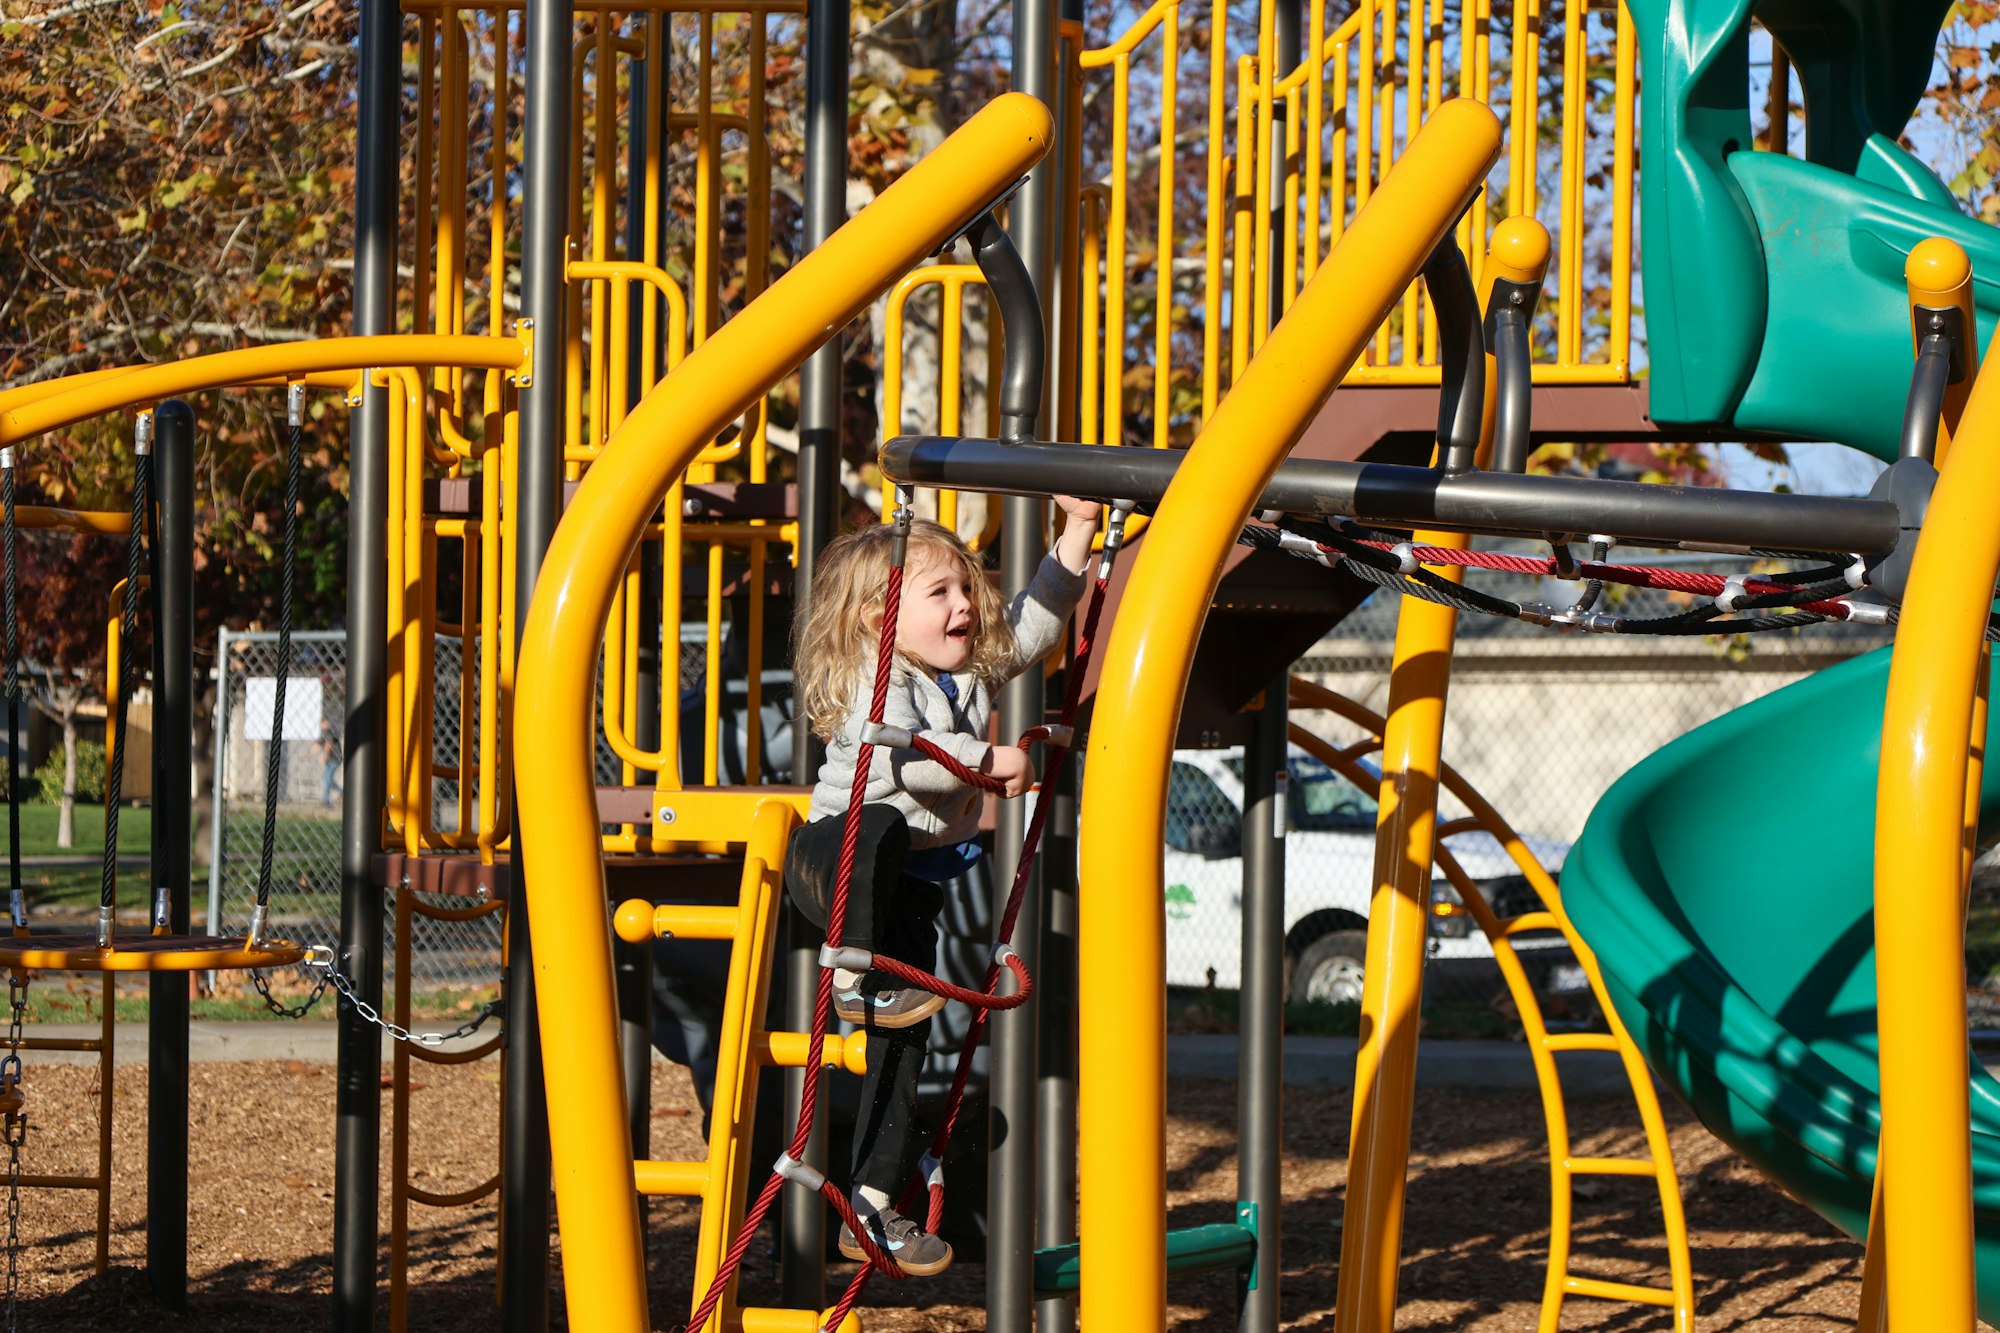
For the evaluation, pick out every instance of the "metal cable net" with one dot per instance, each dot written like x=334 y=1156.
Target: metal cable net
x=305 y=897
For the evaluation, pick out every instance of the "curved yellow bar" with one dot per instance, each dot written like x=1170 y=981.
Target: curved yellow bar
x=1919 y=921
x=92 y=522
x=109 y=391
x=603 y=1263
x=1122 y=1120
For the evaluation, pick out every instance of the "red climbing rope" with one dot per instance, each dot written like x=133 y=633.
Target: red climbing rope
x=983 y=1001
x=931 y=1180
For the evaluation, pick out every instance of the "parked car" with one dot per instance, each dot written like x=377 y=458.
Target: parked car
x=1329 y=873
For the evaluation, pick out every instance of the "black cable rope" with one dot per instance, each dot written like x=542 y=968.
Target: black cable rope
x=136 y=560
x=1593 y=588
x=274 y=763
x=1383 y=569
x=14 y=897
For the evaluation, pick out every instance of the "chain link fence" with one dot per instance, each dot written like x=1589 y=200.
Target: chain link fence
x=1541 y=722
x=305 y=862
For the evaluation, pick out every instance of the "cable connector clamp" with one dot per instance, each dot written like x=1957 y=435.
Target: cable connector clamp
x=932 y=1171
x=1002 y=951
x=840 y=956
x=1732 y=592
x=792 y=1169
x=1866 y=613
x=1061 y=734
x=163 y=912
x=17 y=909
x=1406 y=560
x=881 y=733
x=1857 y=574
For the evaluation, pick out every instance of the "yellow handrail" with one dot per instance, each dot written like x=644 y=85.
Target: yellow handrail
x=97 y=394
x=1121 y=1112
x=1926 y=1202
x=603 y=1260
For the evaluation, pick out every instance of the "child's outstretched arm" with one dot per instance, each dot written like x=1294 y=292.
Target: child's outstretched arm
x=1073 y=547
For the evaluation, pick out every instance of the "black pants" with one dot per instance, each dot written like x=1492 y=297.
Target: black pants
x=894 y=915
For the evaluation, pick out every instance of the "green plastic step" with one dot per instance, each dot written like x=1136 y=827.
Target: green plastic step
x=1189 y=1250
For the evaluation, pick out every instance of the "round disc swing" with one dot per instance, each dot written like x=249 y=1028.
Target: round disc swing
x=159 y=951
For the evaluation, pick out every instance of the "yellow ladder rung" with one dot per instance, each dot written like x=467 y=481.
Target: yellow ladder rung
x=1580 y=1041
x=788 y=1050
x=1611 y=1166
x=1527 y=921
x=766 y=1319
x=1616 y=1291
x=691 y=922
x=681 y=1178
x=53 y=1044
x=61 y=1182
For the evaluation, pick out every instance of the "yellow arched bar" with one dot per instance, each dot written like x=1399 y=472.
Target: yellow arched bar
x=100 y=392
x=1122 y=1119
x=603 y=1263
x=1919 y=921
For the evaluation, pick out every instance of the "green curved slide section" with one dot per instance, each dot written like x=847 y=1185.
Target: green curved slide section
x=1726 y=886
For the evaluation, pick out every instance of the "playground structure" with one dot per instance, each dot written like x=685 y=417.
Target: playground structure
x=466 y=445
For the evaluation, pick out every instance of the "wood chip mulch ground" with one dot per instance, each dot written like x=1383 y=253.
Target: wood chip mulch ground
x=1475 y=1248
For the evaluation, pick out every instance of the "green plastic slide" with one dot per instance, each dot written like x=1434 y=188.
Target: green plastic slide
x=1726 y=885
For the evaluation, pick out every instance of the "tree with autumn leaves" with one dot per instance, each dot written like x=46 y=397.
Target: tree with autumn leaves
x=179 y=178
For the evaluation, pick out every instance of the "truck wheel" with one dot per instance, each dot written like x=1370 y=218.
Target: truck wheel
x=1328 y=969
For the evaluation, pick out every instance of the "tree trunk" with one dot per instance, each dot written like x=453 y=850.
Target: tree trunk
x=66 y=809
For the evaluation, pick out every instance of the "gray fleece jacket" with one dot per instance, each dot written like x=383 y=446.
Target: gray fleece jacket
x=941 y=810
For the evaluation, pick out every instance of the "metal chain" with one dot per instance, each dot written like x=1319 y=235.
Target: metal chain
x=16 y=1134
x=320 y=958
x=279 y=1007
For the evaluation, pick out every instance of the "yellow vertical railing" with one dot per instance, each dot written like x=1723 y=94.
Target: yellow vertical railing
x=1121 y=1112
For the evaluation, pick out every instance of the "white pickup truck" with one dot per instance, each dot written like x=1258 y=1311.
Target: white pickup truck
x=1329 y=869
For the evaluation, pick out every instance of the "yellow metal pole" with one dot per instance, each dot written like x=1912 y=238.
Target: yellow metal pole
x=1121 y=1111
x=1919 y=923
x=1392 y=981
x=602 y=1255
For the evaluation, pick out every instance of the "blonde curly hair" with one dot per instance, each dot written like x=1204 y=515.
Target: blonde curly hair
x=834 y=644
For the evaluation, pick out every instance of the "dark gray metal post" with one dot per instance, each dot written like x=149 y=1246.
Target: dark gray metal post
x=802 y=1242
x=173 y=844
x=1260 y=1049
x=1055 y=1075
x=358 y=1054
x=633 y=963
x=1010 y=1189
x=524 y=1261
x=1261 y=1024
x=1055 y=1083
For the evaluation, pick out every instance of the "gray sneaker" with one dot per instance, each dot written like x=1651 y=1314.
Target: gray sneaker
x=872 y=1005
x=915 y=1250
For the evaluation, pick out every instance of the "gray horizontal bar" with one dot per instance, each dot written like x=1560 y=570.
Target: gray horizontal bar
x=1502 y=504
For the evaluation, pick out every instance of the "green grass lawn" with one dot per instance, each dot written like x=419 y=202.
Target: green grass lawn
x=38 y=831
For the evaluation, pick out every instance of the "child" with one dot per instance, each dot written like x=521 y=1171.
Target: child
x=956 y=645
